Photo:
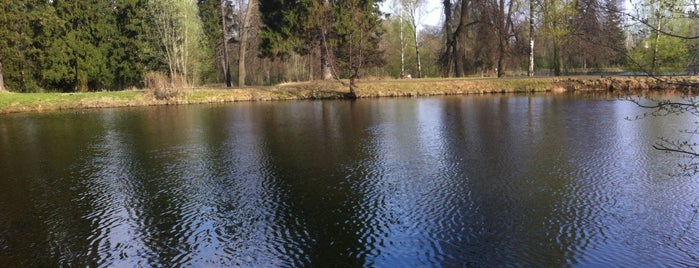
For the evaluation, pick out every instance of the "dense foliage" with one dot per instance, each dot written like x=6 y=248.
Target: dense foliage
x=91 y=45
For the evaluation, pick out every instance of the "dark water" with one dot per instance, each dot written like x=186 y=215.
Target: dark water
x=489 y=181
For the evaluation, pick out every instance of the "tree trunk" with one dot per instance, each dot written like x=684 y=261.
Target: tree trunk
x=449 y=52
x=243 y=43
x=325 y=67
x=654 y=64
x=556 y=58
x=413 y=9
x=501 y=58
x=460 y=36
x=225 y=65
x=417 y=52
x=402 y=49
x=531 y=39
x=505 y=24
x=2 y=81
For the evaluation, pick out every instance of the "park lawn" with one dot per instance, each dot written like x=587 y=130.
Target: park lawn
x=217 y=93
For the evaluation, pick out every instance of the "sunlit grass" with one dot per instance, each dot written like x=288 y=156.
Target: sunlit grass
x=217 y=93
x=19 y=102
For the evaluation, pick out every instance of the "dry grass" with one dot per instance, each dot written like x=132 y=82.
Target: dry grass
x=162 y=87
x=161 y=92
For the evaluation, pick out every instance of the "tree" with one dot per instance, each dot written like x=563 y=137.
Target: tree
x=398 y=8
x=298 y=26
x=449 y=53
x=78 y=52
x=10 y=37
x=225 y=62
x=179 y=30
x=500 y=18
x=131 y=52
x=454 y=58
x=530 y=71
x=346 y=34
x=358 y=31
x=687 y=103
x=664 y=40
x=554 y=19
x=412 y=10
x=252 y=4
x=613 y=36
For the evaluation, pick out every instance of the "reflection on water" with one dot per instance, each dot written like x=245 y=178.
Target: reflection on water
x=455 y=181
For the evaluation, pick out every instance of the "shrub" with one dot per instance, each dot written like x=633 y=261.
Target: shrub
x=161 y=87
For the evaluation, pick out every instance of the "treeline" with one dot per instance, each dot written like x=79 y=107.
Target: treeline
x=68 y=45
x=91 y=45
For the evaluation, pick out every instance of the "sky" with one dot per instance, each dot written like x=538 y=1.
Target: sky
x=432 y=12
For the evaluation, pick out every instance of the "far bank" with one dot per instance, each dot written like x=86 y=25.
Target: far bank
x=37 y=102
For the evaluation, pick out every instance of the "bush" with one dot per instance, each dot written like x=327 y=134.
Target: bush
x=161 y=87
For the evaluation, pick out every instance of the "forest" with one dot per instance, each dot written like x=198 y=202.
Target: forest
x=98 y=45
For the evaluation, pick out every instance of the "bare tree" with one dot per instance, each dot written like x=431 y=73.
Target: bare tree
x=454 y=58
x=179 y=31
x=500 y=18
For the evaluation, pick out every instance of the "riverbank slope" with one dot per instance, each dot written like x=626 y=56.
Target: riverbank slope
x=36 y=102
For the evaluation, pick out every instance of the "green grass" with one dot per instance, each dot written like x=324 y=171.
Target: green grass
x=19 y=102
x=36 y=102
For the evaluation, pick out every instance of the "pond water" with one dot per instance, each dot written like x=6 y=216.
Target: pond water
x=504 y=180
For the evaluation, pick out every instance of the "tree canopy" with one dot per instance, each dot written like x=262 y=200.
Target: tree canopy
x=62 y=45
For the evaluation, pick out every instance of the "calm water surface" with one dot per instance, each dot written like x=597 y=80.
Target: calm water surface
x=457 y=181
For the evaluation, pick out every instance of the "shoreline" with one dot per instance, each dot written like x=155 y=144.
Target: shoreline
x=315 y=90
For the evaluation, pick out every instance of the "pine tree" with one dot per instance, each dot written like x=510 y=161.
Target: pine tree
x=216 y=17
x=77 y=56
x=21 y=24
x=131 y=52
x=614 y=35
x=358 y=32
x=346 y=33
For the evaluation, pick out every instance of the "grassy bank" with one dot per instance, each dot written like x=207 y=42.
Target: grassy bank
x=31 y=102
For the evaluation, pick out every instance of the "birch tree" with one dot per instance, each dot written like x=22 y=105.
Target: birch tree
x=530 y=71
x=179 y=31
x=413 y=10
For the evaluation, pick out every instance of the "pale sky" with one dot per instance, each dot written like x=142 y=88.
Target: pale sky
x=434 y=15
x=432 y=11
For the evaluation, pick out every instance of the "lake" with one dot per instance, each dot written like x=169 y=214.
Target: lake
x=497 y=180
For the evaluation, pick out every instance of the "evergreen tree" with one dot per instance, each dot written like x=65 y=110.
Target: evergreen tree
x=131 y=52
x=284 y=26
x=614 y=36
x=298 y=26
x=11 y=43
x=78 y=55
x=358 y=33
x=345 y=32
x=22 y=27
x=210 y=12
x=586 y=37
